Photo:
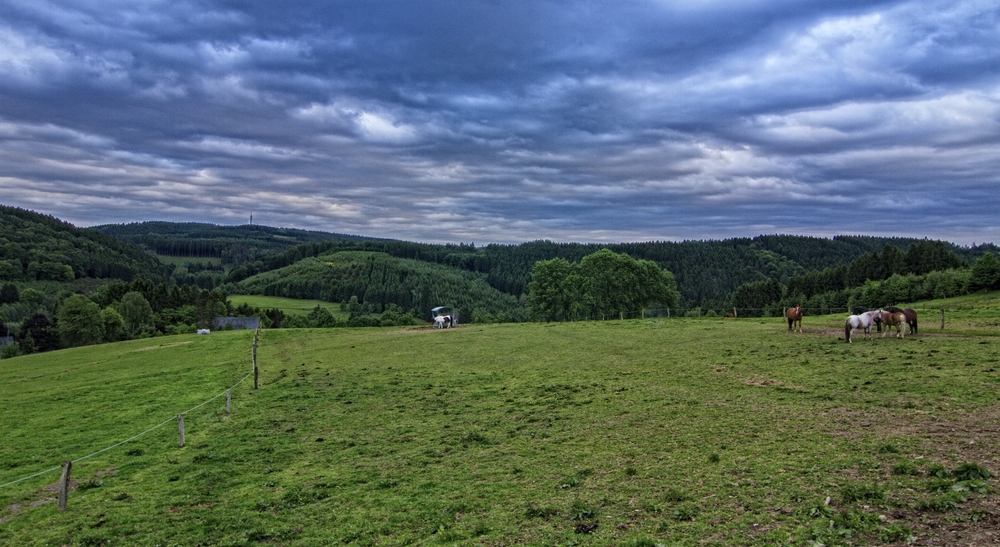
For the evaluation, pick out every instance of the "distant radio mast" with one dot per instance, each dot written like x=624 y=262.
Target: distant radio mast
x=251 y=218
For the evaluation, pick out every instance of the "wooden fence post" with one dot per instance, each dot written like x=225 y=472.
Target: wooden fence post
x=180 y=427
x=228 y=401
x=256 y=374
x=64 y=484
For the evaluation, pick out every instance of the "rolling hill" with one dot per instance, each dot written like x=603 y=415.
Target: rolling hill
x=377 y=280
x=36 y=247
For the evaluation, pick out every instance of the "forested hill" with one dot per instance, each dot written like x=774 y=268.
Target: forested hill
x=706 y=271
x=378 y=280
x=36 y=247
x=232 y=244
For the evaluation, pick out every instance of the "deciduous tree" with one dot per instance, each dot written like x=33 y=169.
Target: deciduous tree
x=985 y=273
x=136 y=312
x=80 y=322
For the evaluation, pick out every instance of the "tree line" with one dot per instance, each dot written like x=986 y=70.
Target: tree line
x=114 y=312
x=706 y=272
x=926 y=270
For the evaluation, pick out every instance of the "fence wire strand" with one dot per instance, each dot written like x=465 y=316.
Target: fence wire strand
x=134 y=437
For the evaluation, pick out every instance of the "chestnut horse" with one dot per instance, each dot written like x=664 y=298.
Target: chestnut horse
x=893 y=319
x=911 y=317
x=794 y=315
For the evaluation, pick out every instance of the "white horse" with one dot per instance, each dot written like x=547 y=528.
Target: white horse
x=442 y=322
x=864 y=321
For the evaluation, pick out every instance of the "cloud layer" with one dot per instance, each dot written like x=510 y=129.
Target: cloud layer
x=507 y=122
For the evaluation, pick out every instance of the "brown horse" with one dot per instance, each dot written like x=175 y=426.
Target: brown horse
x=911 y=317
x=794 y=315
x=893 y=319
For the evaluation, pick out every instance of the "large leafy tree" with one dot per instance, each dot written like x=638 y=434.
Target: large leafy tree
x=37 y=334
x=552 y=290
x=603 y=284
x=114 y=325
x=616 y=284
x=985 y=273
x=80 y=322
x=136 y=312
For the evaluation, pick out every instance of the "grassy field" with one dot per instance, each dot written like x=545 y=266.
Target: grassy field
x=677 y=432
x=290 y=306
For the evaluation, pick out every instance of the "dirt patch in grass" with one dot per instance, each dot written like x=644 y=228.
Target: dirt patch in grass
x=163 y=346
x=44 y=496
x=946 y=439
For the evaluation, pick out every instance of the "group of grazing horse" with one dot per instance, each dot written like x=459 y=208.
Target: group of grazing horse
x=890 y=317
x=863 y=318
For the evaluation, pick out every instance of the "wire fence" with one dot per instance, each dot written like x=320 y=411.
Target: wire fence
x=253 y=372
x=728 y=312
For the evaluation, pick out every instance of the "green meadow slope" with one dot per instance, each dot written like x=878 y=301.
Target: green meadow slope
x=657 y=432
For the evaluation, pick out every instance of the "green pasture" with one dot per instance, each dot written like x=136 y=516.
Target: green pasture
x=677 y=432
x=291 y=306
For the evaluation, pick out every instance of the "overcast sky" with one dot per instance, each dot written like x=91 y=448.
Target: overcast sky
x=508 y=121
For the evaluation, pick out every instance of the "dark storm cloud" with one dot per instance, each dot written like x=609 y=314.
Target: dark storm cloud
x=507 y=121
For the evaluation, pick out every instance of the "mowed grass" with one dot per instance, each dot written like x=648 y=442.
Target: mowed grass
x=290 y=306
x=669 y=432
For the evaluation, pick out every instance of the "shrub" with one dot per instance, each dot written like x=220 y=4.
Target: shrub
x=582 y=512
x=92 y=483
x=533 y=511
x=905 y=468
x=685 y=512
x=895 y=532
x=852 y=492
x=942 y=503
x=10 y=350
x=970 y=471
x=674 y=495
x=888 y=449
x=937 y=470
